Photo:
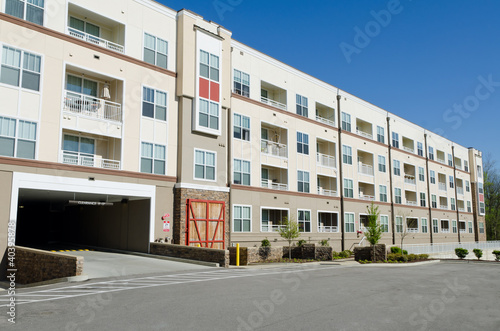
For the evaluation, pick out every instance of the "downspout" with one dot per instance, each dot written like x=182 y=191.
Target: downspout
x=390 y=179
x=431 y=228
x=455 y=185
x=340 y=158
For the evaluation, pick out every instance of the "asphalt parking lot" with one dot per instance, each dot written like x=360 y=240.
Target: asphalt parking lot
x=437 y=296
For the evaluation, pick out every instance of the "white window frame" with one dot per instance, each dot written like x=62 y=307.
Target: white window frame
x=328 y=212
x=424 y=225
x=380 y=134
x=420 y=149
x=272 y=208
x=241 y=127
x=382 y=165
x=432 y=176
x=348 y=156
x=241 y=172
x=241 y=82
x=153 y=158
x=204 y=165
x=348 y=180
x=454 y=226
x=303 y=221
x=395 y=139
x=348 y=221
x=384 y=224
x=25 y=6
x=155 y=104
x=470 y=226
x=301 y=141
x=16 y=137
x=397 y=168
x=433 y=201
x=435 y=225
x=303 y=181
x=421 y=174
x=346 y=122
x=399 y=227
x=382 y=193
x=21 y=69
x=431 y=153
x=302 y=105
x=407 y=227
x=398 y=197
x=242 y=219
x=155 y=50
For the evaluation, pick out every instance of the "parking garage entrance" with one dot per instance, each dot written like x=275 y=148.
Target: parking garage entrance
x=61 y=216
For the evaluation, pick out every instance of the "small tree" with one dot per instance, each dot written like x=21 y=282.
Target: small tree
x=478 y=253
x=404 y=229
x=289 y=231
x=461 y=252
x=374 y=229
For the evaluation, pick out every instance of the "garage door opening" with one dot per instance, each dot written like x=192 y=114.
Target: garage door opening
x=55 y=220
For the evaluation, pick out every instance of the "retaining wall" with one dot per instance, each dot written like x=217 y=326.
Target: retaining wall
x=219 y=256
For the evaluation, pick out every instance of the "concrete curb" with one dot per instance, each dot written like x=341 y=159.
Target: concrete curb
x=4 y=285
x=392 y=265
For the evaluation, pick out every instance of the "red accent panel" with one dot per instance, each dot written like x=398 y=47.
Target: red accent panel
x=204 y=86
x=481 y=197
x=214 y=91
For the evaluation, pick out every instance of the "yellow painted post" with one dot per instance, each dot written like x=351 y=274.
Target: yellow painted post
x=237 y=255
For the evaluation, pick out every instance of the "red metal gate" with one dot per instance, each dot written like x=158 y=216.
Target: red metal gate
x=205 y=223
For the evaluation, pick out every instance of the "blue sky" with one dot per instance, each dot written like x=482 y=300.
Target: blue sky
x=435 y=63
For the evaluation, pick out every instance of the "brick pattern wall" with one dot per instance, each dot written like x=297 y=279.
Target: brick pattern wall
x=261 y=254
x=181 y=195
x=220 y=256
x=35 y=265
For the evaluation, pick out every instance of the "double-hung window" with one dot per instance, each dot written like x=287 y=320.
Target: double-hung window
x=346 y=154
x=380 y=135
x=17 y=138
x=432 y=176
x=204 y=165
x=452 y=182
x=302 y=143
x=420 y=149
x=348 y=188
x=421 y=174
x=383 y=193
x=241 y=127
x=381 y=163
x=384 y=222
x=435 y=225
x=241 y=83
x=154 y=104
x=467 y=186
x=346 y=122
x=304 y=220
x=303 y=181
x=399 y=224
x=397 y=195
x=422 y=199
x=450 y=160
x=302 y=108
x=241 y=219
x=29 y=10
x=20 y=68
x=424 y=225
x=431 y=153
x=397 y=168
x=349 y=222
x=153 y=158
x=241 y=172
x=155 y=51
x=209 y=89
x=433 y=201
x=395 y=140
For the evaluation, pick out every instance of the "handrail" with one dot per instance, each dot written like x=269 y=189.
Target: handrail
x=91 y=106
x=95 y=40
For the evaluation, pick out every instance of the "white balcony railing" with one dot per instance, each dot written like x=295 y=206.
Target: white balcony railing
x=327 y=229
x=273 y=103
x=325 y=160
x=460 y=190
x=325 y=120
x=93 y=107
x=330 y=193
x=412 y=230
x=408 y=149
x=271 y=228
x=411 y=203
x=445 y=230
x=441 y=160
x=268 y=183
x=365 y=169
x=87 y=160
x=443 y=206
x=367 y=197
x=273 y=148
x=95 y=40
x=461 y=209
x=442 y=186
x=410 y=179
x=364 y=134
x=463 y=231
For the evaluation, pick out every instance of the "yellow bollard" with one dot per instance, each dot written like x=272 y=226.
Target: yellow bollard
x=237 y=255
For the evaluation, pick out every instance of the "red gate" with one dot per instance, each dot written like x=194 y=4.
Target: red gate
x=206 y=223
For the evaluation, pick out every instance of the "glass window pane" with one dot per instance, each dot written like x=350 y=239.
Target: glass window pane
x=27 y=130
x=31 y=62
x=204 y=120
x=146 y=165
x=245 y=212
x=237 y=76
x=34 y=14
x=39 y=3
x=147 y=150
x=9 y=76
x=6 y=146
x=148 y=95
x=161 y=60
x=237 y=132
x=161 y=98
x=149 y=41
x=214 y=61
x=149 y=56
x=200 y=157
x=203 y=57
x=199 y=171
x=204 y=70
x=26 y=149
x=246 y=179
x=161 y=113
x=15 y=8
x=210 y=159
x=31 y=81
x=74 y=84
x=210 y=173
x=246 y=225
x=162 y=46
x=237 y=225
x=148 y=109
x=70 y=143
x=89 y=88
x=92 y=29
x=7 y=127
x=86 y=146
x=214 y=123
x=159 y=152
x=214 y=74
x=237 y=178
x=159 y=167
x=11 y=57
x=77 y=24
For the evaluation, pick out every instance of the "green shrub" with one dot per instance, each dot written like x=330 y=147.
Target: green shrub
x=348 y=252
x=301 y=242
x=395 y=250
x=345 y=254
x=396 y=257
x=405 y=252
x=478 y=253
x=423 y=256
x=335 y=254
x=324 y=243
x=265 y=243
x=497 y=255
x=461 y=252
x=412 y=257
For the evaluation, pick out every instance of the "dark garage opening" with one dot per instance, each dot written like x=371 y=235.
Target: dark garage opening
x=47 y=220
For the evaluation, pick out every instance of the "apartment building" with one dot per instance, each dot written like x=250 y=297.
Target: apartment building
x=123 y=122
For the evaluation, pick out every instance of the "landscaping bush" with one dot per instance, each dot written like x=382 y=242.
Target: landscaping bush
x=348 y=252
x=301 y=242
x=395 y=257
x=324 y=243
x=398 y=257
x=345 y=254
x=265 y=243
x=497 y=255
x=461 y=252
x=405 y=252
x=395 y=250
x=423 y=256
x=478 y=253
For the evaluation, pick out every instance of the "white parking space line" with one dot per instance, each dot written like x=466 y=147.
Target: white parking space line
x=147 y=282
